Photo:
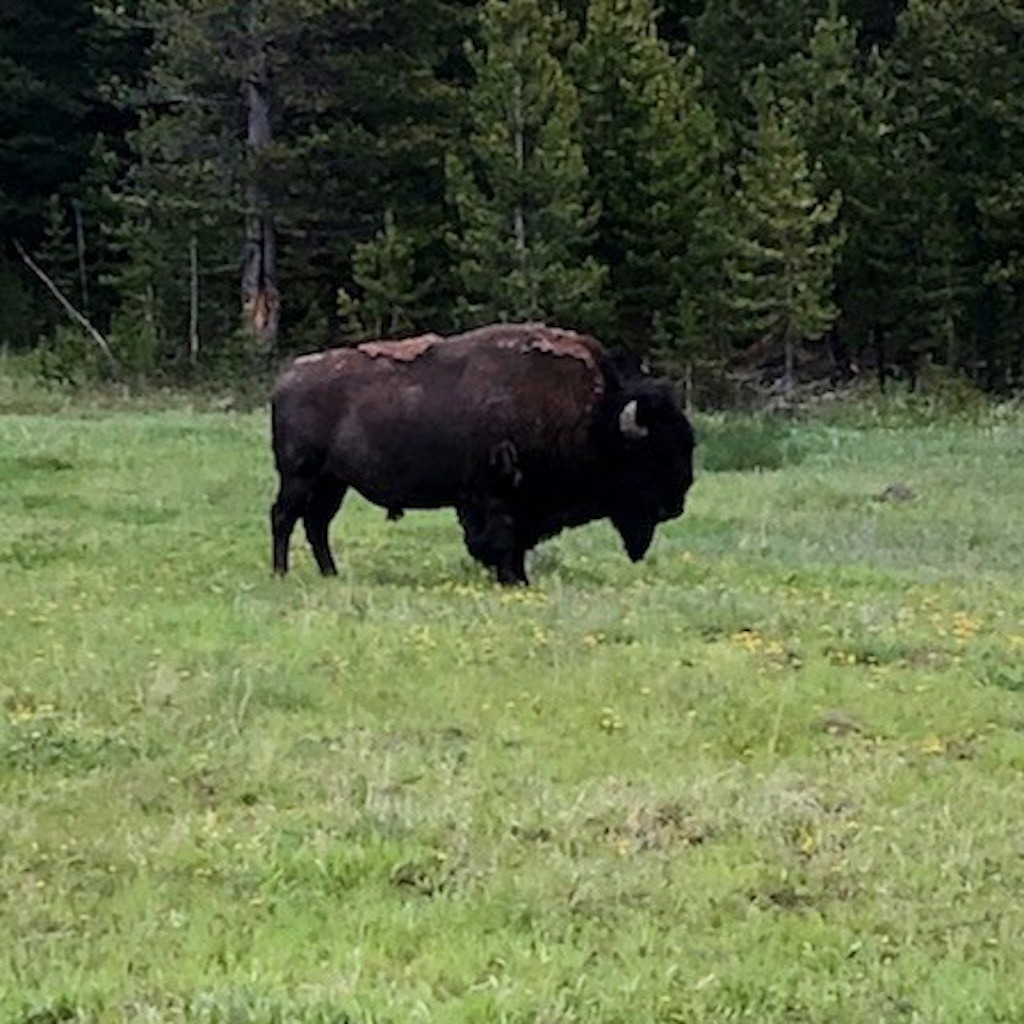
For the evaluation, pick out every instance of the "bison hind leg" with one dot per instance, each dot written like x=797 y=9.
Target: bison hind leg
x=292 y=499
x=321 y=508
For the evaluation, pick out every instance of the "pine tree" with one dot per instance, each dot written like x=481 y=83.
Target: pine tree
x=783 y=243
x=1003 y=213
x=204 y=147
x=841 y=116
x=957 y=73
x=384 y=269
x=874 y=21
x=368 y=106
x=273 y=132
x=651 y=149
x=519 y=190
x=692 y=338
x=55 y=60
x=44 y=136
x=736 y=37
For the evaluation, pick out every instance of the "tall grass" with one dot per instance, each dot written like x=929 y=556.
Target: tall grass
x=771 y=774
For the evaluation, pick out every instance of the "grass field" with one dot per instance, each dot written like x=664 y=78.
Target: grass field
x=774 y=773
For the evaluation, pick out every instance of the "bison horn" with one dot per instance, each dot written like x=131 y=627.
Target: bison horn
x=628 y=424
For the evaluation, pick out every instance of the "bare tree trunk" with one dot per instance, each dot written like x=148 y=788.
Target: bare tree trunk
x=518 y=214
x=193 y=300
x=1015 y=367
x=83 y=279
x=519 y=141
x=789 y=355
x=261 y=302
x=880 y=355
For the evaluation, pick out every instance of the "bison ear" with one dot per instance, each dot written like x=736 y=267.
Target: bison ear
x=628 y=424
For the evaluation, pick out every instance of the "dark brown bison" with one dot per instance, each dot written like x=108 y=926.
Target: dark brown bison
x=523 y=429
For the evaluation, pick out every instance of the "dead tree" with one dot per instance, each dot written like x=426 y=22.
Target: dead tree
x=261 y=301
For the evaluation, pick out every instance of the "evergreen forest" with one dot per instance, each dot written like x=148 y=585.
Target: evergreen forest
x=193 y=189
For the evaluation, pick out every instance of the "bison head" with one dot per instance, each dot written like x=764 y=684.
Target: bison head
x=653 y=463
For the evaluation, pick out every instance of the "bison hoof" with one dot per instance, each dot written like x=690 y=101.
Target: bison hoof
x=507 y=578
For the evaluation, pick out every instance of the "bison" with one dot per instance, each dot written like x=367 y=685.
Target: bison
x=523 y=429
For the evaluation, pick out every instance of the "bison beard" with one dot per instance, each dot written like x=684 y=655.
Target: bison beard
x=523 y=429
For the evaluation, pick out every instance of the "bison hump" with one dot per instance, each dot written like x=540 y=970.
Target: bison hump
x=402 y=351
x=535 y=337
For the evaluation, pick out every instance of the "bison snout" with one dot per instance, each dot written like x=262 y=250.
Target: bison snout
x=671 y=509
x=636 y=537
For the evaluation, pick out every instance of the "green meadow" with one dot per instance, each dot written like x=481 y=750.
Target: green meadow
x=773 y=773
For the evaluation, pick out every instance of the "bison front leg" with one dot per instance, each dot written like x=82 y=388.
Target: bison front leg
x=512 y=570
x=491 y=537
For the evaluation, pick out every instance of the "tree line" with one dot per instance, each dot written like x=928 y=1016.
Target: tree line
x=798 y=187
